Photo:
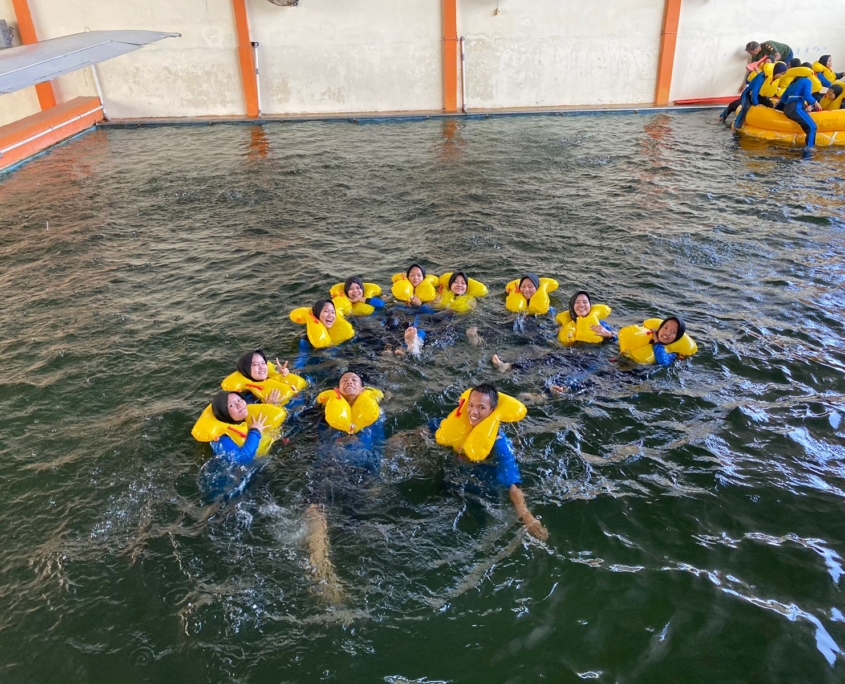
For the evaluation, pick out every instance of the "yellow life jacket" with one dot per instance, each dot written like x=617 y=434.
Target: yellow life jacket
x=539 y=304
x=288 y=385
x=770 y=85
x=403 y=290
x=581 y=330
x=636 y=342
x=318 y=334
x=460 y=303
x=341 y=301
x=209 y=429
x=834 y=105
x=827 y=73
x=790 y=75
x=351 y=419
x=477 y=442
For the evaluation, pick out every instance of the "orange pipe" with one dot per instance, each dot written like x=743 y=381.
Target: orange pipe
x=46 y=96
x=668 y=38
x=450 y=55
x=246 y=59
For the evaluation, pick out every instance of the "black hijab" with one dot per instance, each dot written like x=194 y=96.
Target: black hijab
x=823 y=60
x=245 y=362
x=220 y=407
x=408 y=272
x=317 y=309
x=572 y=302
x=682 y=328
x=532 y=277
x=454 y=277
x=349 y=282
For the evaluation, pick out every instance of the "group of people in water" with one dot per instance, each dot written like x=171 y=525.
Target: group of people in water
x=778 y=80
x=246 y=416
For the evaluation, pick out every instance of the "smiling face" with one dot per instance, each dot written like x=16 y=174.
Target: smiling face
x=327 y=315
x=237 y=407
x=526 y=287
x=350 y=386
x=478 y=407
x=459 y=286
x=581 y=305
x=415 y=275
x=829 y=63
x=354 y=291
x=668 y=332
x=258 y=367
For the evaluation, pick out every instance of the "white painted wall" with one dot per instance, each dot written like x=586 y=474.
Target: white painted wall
x=334 y=56
x=710 y=57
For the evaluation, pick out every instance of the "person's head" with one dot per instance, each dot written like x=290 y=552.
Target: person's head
x=528 y=285
x=826 y=61
x=807 y=64
x=753 y=48
x=416 y=274
x=579 y=305
x=794 y=62
x=834 y=91
x=779 y=68
x=458 y=283
x=482 y=400
x=253 y=365
x=229 y=407
x=671 y=330
x=324 y=311
x=353 y=287
x=350 y=386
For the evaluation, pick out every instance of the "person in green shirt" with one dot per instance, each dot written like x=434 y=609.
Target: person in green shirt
x=777 y=52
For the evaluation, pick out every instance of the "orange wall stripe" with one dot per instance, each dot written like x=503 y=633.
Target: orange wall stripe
x=245 y=57
x=46 y=96
x=668 y=38
x=450 y=56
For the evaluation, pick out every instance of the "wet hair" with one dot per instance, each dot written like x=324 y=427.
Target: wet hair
x=317 y=309
x=362 y=376
x=794 y=62
x=220 y=407
x=454 y=277
x=751 y=46
x=807 y=64
x=779 y=68
x=408 y=272
x=488 y=391
x=572 y=302
x=532 y=277
x=245 y=362
x=682 y=328
x=837 y=89
x=823 y=60
x=350 y=281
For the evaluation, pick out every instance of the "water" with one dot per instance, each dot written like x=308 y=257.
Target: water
x=695 y=513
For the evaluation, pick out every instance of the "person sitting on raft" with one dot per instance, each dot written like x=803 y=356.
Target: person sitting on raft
x=501 y=463
x=798 y=95
x=260 y=382
x=833 y=98
x=230 y=407
x=751 y=95
x=824 y=71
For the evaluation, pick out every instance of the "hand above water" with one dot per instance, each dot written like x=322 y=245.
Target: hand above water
x=280 y=369
x=257 y=423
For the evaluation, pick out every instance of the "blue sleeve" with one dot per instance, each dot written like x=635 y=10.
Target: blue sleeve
x=507 y=469
x=826 y=83
x=608 y=328
x=755 y=86
x=662 y=357
x=250 y=398
x=434 y=424
x=304 y=353
x=225 y=447
x=375 y=302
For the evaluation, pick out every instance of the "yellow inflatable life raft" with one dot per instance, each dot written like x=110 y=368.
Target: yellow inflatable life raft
x=635 y=342
x=403 y=290
x=764 y=123
x=581 y=330
x=319 y=335
x=539 y=304
x=351 y=419
x=287 y=385
x=460 y=303
x=477 y=442
x=342 y=303
x=209 y=429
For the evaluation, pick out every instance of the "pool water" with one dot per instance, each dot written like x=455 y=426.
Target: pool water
x=694 y=513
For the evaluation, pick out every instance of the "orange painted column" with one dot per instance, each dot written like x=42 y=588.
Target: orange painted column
x=46 y=96
x=246 y=59
x=450 y=55
x=668 y=38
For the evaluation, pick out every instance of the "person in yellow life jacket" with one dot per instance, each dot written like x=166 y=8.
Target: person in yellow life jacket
x=833 y=98
x=815 y=83
x=259 y=382
x=230 y=407
x=824 y=71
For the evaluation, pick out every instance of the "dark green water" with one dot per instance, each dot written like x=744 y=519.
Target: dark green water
x=695 y=513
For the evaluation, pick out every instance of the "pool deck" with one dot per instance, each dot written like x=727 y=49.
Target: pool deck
x=398 y=116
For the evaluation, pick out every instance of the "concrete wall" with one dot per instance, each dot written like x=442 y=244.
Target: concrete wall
x=386 y=55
